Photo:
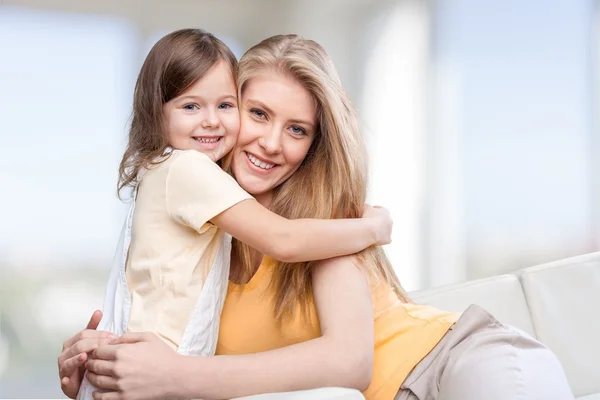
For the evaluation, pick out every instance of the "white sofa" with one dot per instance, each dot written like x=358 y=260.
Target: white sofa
x=558 y=303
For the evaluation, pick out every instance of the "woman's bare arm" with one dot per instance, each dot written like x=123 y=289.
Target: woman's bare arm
x=342 y=356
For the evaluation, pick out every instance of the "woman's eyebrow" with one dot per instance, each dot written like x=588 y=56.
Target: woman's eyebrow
x=263 y=106
x=302 y=122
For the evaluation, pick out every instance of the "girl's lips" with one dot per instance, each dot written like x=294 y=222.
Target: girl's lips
x=208 y=142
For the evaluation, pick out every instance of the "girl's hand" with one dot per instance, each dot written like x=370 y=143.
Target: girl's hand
x=134 y=366
x=383 y=223
x=75 y=353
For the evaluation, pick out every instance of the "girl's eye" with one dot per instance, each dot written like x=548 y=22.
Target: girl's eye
x=225 y=106
x=258 y=113
x=297 y=130
x=191 y=107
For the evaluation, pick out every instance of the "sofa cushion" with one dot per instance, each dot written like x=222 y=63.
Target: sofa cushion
x=501 y=295
x=590 y=397
x=330 y=393
x=564 y=300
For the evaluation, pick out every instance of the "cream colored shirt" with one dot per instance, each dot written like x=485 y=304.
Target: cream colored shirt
x=173 y=244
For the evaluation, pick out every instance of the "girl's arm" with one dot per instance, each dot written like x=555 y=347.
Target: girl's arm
x=198 y=191
x=296 y=240
x=342 y=356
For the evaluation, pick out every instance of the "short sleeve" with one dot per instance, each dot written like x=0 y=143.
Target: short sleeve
x=197 y=189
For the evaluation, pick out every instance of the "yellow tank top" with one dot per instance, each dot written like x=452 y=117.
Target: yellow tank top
x=404 y=333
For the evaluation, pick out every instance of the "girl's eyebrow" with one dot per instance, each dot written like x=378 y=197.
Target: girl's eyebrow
x=230 y=97
x=196 y=98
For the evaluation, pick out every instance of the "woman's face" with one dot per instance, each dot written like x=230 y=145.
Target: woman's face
x=278 y=121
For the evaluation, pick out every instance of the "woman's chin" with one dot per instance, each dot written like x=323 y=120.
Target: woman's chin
x=257 y=191
x=258 y=187
x=261 y=193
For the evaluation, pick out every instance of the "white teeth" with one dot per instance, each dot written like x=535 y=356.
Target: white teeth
x=205 y=140
x=259 y=163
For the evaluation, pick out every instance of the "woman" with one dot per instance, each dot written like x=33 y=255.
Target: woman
x=286 y=330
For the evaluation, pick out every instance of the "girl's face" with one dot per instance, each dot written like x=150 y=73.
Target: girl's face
x=205 y=117
x=278 y=124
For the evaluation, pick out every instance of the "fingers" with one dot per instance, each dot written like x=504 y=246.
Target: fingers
x=65 y=381
x=134 y=337
x=94 y=320
x=101 y=367
x=106 y=396
x=86 y=334
x=83 y=346
x=103 y=382
x=69 y=366
x=64 y=385
x=91 y=327
x=107 y=352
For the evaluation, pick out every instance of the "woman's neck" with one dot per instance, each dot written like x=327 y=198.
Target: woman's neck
x=265 y=199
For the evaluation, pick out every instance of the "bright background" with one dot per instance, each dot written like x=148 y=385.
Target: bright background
x=481 y=119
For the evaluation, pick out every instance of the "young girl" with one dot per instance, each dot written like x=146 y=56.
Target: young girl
x=171 y=270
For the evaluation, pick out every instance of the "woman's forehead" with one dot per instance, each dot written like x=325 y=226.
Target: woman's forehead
x=281 y=95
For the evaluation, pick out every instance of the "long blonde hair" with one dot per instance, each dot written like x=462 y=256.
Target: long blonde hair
x=332 y=180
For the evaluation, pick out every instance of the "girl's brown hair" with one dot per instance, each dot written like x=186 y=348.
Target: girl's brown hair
x=174 y=64
x=332 y=180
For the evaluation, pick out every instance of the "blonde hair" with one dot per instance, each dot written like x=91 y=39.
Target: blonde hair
x=174 y=64
x=332 y=180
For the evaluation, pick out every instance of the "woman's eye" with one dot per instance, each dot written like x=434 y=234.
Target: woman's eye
x=225 y=106
x=258 y=113
x=296 y=130
x=191 y=107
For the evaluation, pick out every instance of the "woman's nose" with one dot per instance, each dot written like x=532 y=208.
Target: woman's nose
x=271 y=141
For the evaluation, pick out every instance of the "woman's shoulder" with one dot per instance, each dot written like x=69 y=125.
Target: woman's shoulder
x=339 y=263
x=337 y=267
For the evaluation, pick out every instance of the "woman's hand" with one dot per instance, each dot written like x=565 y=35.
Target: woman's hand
x=134 y=366
x=383 y=225
x=75 y=353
